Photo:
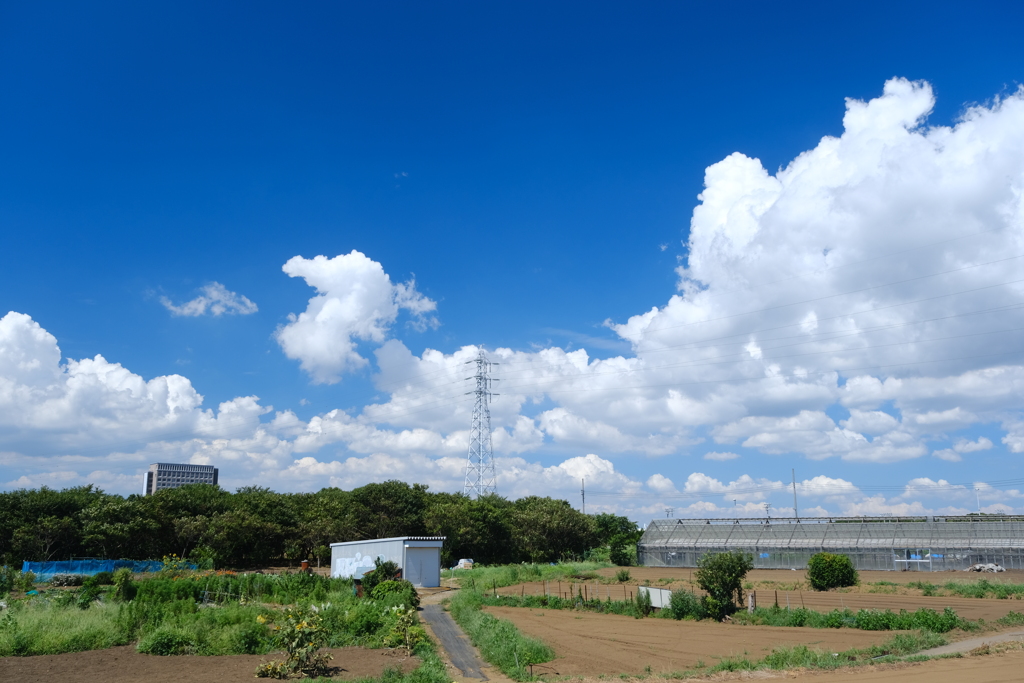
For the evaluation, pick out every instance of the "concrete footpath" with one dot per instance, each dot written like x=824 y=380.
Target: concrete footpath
x=453 y=641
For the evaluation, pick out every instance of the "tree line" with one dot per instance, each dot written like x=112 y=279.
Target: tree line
x=257 y=527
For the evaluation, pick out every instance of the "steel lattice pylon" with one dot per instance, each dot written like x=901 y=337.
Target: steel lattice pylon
x=480 y=475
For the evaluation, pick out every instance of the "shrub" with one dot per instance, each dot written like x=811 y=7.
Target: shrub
x=24 y=581
x=65 y=580
x=168 y=640
x=301 y=634
x=7 y=576
x=382 y=571
x=124 y=585
x=685 y=604
x=99 y=579
x=622 y=576
x=643 y=604
x=622 y=551
x=721 y=576
x=829 y=570
x=401 y=588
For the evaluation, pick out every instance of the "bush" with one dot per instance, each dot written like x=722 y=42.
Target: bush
x=24 y=581
x=685 y=605
x=622 y=550
x=99 y=579
x=829 y=570
x=382 y=571
x=721 y=576
x=168 y=640
x=622 y=576
x=401 y=588
x=7 y=576
x=124 y=585
x=643 y=604
x=301 y=634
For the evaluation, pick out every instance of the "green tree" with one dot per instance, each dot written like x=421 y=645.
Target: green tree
x=47 y=538
x=391 y=509
x=829 y=570
x=323 y=518
x=721 y=576
x=547 y=530
x=119 y=528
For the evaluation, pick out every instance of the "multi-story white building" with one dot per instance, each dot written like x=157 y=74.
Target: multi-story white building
x=163 y=475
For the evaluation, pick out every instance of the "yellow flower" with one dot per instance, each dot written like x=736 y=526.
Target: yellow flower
x=261 y=619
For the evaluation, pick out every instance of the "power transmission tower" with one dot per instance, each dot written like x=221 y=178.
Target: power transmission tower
x=480 y=475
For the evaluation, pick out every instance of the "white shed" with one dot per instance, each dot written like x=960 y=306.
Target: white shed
x=419 y=558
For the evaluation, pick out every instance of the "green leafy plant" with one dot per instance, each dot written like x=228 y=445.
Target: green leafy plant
x=300 y=633
x=643 y=604
x=830 y=570
x=169 y=640
x=685 y=605
x=124 y=585
x=383 y=570
x=401 y=588
x=99 y=579
x=622 y=576
x=721 y=576
x=24 y=581
x=7 y=577
x=404 y=632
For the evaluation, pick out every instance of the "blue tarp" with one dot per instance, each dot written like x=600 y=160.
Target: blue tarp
x=45 y=570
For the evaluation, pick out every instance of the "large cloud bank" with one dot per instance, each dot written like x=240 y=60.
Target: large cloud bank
x=865 y=302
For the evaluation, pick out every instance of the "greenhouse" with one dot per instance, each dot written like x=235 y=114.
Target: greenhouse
x=894 y=543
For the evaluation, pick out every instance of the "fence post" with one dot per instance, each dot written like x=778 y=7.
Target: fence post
x=750 y=604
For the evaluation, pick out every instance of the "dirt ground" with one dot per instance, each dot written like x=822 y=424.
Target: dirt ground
x=593 y=644
x=995 y=668
x=125 y=664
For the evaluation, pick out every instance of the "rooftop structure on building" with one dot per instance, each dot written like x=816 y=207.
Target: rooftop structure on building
x=166 y=475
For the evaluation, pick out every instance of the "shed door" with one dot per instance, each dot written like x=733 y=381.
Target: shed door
x=423 y=567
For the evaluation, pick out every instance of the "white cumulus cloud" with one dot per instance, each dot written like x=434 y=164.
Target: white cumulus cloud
x=355 y=301
x=215 y=300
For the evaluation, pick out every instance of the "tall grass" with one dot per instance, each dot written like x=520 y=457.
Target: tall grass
x=982 y=588
x=483 y=578
x=498 y=640
x=39 y=629
x=865 y=619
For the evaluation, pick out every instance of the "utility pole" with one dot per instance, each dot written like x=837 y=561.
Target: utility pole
x=796 y=514
x=480 y=474
x=583 y=493
x=669 y=511
x=977 y=492
x=768 y=510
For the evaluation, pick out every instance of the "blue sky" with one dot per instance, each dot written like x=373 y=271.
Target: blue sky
x=536 y=169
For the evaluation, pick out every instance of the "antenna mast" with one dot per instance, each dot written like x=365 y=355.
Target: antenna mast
x=480 y=475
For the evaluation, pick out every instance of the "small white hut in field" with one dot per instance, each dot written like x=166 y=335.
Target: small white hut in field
x=419 y=558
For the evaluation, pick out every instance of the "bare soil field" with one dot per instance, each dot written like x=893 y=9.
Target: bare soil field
x=125 y=665
x=790 y=589
x=994 y=668
x=589 y=644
